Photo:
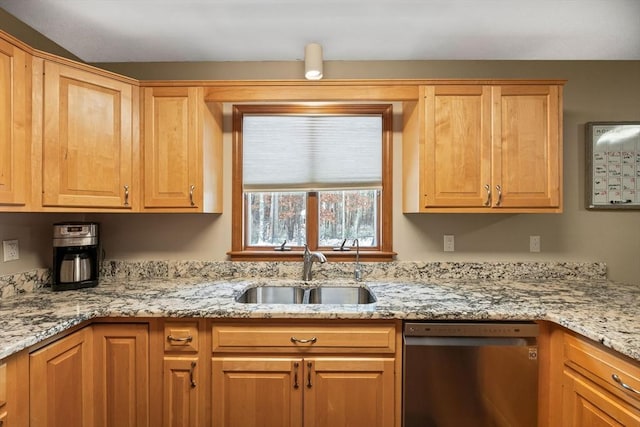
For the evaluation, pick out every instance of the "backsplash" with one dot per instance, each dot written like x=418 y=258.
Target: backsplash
x=18 y=283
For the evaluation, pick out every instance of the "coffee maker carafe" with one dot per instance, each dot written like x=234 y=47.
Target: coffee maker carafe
x=75 y=255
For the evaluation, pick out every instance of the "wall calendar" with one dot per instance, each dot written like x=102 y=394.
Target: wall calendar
x=613 y=165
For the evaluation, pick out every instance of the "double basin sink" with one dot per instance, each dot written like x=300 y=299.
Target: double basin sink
x=302 y=295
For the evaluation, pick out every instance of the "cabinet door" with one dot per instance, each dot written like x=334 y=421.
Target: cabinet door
x=349 y=392
x=3 y=393
x=182 y=390
x=172 y=174
x=257 y=392
x=526 y=146
x=121 y=362
x=14 y=144
x=457 y=153
x=61 y=383
x=586 y=404
x=87 y=143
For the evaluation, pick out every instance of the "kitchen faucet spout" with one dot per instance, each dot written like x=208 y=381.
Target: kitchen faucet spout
x=357 y=273
x=308 y=257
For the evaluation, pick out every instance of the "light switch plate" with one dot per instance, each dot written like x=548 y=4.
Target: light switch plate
x=449 y=243
x=11 y=250
x=534 y=243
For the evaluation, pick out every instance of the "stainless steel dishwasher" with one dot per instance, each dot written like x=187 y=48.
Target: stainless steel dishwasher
x=475 y=374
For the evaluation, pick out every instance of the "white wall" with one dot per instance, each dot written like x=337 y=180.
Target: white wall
x=596 y=91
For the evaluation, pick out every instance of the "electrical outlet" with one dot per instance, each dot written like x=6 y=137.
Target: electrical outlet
x=11 y=250
x=534 y=243
x=449 y=243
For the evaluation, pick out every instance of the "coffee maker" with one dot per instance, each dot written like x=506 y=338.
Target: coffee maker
x=75 y=255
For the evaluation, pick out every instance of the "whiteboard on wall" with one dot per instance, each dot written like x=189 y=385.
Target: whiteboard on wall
x=613 y=165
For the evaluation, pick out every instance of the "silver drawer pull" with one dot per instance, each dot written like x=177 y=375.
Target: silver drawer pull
x=624 y=385
x=295 y=375
x=192 y=188
x=499 y=190
x=180 y=339
x=309 y=366
x=311 y=340
x=487 y=188
x=191 y=375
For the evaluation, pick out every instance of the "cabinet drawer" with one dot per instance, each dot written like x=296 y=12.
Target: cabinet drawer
x=305 y=338
x=181 y=336
x=601 y=366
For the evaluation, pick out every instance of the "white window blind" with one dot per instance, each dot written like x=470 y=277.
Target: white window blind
x=289 y=152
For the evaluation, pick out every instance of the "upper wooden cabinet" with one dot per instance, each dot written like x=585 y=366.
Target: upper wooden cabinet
x=14 y=127
x=483 y=148
x=182 y=151
x=457 y=145
x=88 y=140
x=527 y=155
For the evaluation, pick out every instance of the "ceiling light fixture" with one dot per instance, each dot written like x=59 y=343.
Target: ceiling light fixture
x=313 y=61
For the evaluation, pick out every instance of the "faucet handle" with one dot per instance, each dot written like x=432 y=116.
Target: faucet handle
x=342 y=247
x=283 y=247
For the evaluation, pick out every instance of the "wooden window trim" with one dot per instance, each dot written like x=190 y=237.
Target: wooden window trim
x=385 y=250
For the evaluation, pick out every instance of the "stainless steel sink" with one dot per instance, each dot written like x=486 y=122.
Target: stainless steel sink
x=341 y=295
x=272 y=295
x=300 y=295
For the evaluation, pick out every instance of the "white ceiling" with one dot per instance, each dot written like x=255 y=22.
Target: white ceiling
x=259 y=30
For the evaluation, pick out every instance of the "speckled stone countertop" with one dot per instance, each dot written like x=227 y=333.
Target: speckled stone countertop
x=577 y=298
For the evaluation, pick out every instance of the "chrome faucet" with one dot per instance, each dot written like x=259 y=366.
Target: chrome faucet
x=357 y=273
x=308 y=257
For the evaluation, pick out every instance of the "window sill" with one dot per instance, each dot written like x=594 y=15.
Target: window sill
x=332 y=256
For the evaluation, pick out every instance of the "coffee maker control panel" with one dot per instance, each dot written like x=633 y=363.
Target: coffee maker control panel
x=75 y=234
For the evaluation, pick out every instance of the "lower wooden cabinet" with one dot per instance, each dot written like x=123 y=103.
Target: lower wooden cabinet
x=61 y=383
x=591 y=385
x=310 y=375
x=257 y=391
x=587 y=404
x=180 y=385
x=14 y=390
x=97 y=376
x=349 y=392
x=249 y=373
x=272 y=392
x=121 y=375
x=3 y=394
x=593 y=390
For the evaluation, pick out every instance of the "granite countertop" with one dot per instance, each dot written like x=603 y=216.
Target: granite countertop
x=601 y=310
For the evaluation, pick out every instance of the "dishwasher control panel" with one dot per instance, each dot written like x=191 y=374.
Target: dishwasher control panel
x=471 y=329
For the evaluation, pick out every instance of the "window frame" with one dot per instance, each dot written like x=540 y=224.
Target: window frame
x=383 y=252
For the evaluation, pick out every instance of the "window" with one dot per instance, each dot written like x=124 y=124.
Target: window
x=311 y=175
